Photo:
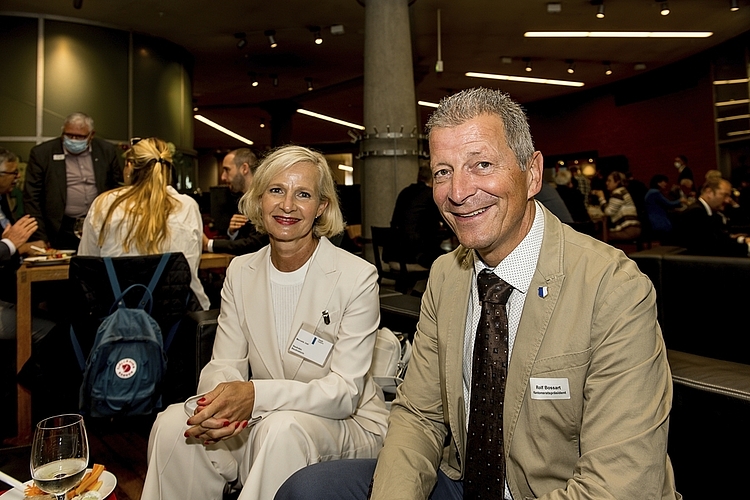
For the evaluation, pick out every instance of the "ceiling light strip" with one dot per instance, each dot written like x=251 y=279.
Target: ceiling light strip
x=732 y=103
x=738 y=132
x=730 y=82
x=525 y=79
x=330 y=119
x=618 y=34
x=225 y=130
x=428 y=104
x=730 y=118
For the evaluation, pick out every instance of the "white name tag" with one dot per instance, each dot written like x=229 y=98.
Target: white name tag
x=58 y=157
x=311 y=347
x=549 y=388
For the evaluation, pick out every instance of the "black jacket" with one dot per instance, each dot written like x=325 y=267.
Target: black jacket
x=45 y=187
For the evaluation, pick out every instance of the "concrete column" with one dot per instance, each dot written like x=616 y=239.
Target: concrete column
x=389 y=145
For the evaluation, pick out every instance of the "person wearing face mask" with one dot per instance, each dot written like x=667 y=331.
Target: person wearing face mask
x=683 y=171
x=64 y=176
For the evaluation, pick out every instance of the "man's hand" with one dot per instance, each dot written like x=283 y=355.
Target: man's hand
x=21 y=231
x=236 y=222
x=32 y=248
x=223 y=412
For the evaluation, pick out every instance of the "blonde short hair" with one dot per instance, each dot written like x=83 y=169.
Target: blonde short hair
x=331 y=221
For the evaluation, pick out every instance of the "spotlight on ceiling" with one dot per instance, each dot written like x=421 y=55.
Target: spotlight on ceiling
x=275 y=80
x=734 y=5
x=527 y=60
x=241 y=39
x=309 y=83
x=571 y=66
x=262 y=123
x=607 y=68
x=315 y=30
x=254 y=79
x=599 y=8
x=271 y=40
x=664 y=9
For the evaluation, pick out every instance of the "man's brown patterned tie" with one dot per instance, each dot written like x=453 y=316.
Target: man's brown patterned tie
x=484 y=476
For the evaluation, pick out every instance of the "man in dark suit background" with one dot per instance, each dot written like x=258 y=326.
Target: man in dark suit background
x=416 y=223
x=64 y=176
x=701 y=228
x=237 y=171
x=13 y=244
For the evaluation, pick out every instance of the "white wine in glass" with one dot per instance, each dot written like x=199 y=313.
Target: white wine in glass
x=59 y=454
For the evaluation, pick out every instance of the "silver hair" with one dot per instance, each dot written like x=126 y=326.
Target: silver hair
x=79 y=119
x=468 y=104
x=6 y=156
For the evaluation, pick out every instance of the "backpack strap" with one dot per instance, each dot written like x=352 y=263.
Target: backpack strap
x=155 y=279
x=77 y=349
x=114 y=283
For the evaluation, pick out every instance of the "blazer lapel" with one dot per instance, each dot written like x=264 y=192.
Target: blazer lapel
x=534 y=320
x=258 y=312
x=58 y=177
x=452 y=312
x=320 y=282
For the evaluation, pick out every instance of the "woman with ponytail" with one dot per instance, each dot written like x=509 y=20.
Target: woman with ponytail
x=146 y=216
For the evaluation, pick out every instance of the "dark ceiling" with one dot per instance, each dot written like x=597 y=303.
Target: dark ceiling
x=476 y=36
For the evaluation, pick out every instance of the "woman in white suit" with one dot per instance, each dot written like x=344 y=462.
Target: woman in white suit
x=288 y=383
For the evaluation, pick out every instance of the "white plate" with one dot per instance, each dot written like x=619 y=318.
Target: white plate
x=109 y=481
x=46 y=260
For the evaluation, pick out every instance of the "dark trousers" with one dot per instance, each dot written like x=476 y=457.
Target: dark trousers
x=350 y=480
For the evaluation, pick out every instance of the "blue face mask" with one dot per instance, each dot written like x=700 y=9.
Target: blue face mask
x=75 y=146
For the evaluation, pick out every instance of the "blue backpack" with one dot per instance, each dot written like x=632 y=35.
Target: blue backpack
x=127 y=362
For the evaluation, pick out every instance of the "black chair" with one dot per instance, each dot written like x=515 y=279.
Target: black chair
x=404 y=275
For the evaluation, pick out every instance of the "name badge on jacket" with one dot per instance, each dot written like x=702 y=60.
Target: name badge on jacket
x=58 y=157
x=310 y=346
x=549 y=388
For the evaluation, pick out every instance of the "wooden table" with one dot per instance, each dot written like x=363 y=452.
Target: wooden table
x=25 y=276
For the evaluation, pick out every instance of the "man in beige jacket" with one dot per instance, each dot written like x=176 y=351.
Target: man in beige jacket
x=588 y=388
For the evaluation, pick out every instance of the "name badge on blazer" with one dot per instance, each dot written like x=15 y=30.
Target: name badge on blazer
x=549 y=388
x=58 y=157
x=310 y=346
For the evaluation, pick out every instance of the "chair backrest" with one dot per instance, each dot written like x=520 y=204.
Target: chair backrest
x=381 y=238
x=91 y=294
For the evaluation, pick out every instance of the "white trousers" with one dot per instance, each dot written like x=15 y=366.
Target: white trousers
x=260 y=458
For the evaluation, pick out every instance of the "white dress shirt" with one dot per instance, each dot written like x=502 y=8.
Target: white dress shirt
x=516 y=269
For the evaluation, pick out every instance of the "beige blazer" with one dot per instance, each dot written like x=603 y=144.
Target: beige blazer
x=338 y=282
x=595 y=328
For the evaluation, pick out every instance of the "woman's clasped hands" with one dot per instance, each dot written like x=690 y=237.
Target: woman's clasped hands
x=222 y=413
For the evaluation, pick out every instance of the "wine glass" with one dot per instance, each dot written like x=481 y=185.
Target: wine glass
x=59 y=454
